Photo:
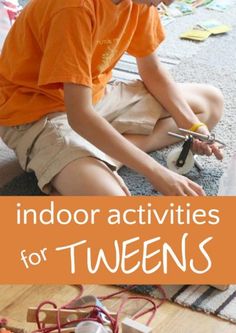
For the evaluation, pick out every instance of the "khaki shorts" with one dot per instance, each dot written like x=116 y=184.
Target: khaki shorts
x=48 y=145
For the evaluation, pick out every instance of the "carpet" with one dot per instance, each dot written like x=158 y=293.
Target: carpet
x=25 y=184
x=198 y=298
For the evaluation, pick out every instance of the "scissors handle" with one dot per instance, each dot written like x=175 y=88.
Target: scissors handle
x=209 y=139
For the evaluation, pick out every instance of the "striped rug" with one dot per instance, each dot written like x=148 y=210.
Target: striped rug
x=126 y=68
x=198 y=297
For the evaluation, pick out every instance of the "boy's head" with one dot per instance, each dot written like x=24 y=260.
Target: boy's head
x=146 y=2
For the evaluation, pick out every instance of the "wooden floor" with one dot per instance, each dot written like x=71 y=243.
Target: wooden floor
x=15 y=300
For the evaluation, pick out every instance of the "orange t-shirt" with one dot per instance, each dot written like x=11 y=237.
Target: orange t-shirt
x=77 y=41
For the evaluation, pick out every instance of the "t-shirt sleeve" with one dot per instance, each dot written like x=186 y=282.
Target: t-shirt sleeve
x=67 y=49
x=149 y=33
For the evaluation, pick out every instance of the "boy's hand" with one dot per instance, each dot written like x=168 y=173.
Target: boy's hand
x=172 y=184
x=202 y=148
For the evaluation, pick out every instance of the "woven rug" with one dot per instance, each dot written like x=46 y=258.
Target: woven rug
x=199 y=298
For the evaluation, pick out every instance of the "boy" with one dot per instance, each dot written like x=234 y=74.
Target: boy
x=72 y=128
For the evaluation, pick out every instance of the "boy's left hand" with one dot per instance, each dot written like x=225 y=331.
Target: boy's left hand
x=202 y=148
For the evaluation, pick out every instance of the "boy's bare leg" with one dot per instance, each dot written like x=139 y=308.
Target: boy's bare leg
x=89 y=176
x=206 y=101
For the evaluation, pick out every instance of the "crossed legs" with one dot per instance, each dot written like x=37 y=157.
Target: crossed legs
x=89 y=176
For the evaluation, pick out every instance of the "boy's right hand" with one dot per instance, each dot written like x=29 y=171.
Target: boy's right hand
x=202 y=148
x=172 y=184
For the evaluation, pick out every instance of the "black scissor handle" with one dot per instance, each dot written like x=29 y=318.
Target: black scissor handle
x=185 y=150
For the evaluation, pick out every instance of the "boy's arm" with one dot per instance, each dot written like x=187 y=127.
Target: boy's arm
x=85 y=121
x=161 y=85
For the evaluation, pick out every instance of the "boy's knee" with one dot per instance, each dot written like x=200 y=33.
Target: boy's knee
x=215 y=101
x=115 y=192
